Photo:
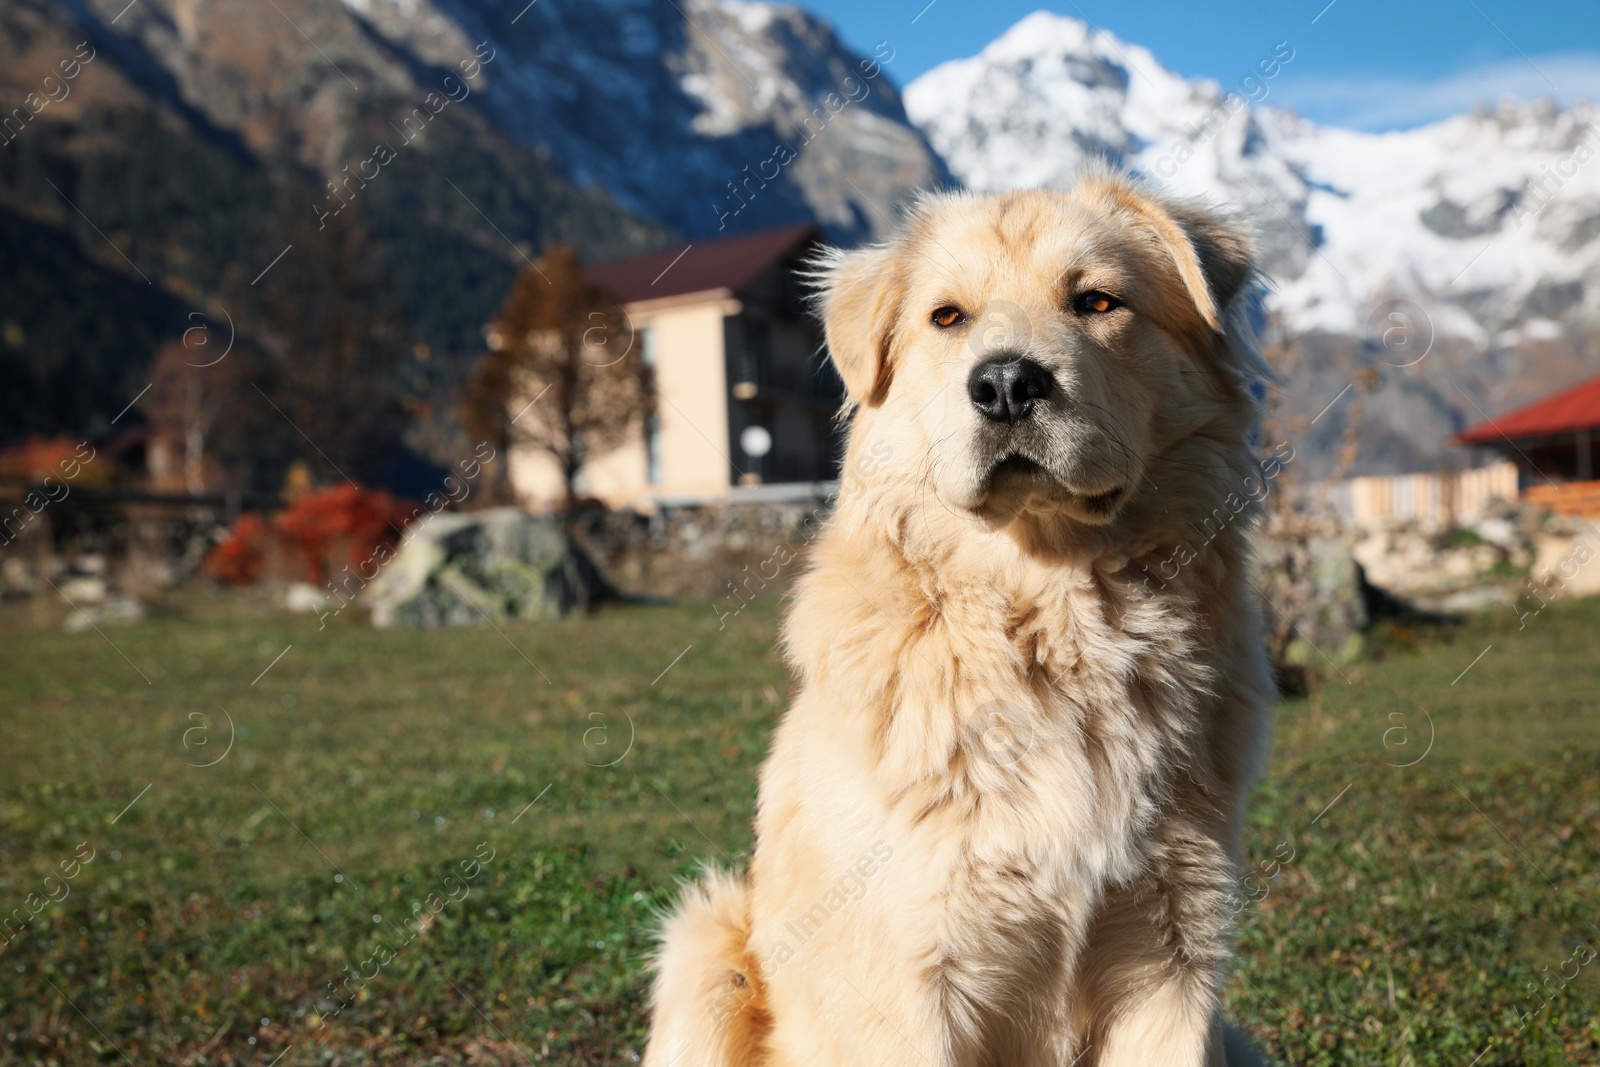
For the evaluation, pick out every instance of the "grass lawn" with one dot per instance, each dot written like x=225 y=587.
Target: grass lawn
x=373 y=812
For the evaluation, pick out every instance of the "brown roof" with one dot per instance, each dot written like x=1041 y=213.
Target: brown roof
x=727 y=263
x=1575 y=409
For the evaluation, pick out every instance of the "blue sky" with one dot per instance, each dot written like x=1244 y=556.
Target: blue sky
x=1367 y=63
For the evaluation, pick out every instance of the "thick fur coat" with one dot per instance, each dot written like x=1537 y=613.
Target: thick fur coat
x=1000 y=823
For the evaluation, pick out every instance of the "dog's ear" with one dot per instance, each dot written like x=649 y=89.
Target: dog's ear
x=858 y=295
x=1213 y=257
x=1217 y=262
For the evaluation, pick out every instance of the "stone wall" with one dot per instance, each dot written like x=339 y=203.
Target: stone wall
x=698 y=553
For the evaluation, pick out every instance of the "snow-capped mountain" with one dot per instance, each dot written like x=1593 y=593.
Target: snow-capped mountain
x=1488 y=223
x=1069 y=93
x=1051 y=94
x=1491 y=215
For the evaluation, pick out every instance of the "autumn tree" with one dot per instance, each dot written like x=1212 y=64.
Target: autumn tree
x=564 y=374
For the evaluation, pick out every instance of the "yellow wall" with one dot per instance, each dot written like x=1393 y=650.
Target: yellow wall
x=692 y=408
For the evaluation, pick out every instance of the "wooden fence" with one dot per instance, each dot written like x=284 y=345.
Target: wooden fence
x=1440 y=499
x=1580 y=499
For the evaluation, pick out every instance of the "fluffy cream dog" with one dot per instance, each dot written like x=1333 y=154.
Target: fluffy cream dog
x=1000 y=824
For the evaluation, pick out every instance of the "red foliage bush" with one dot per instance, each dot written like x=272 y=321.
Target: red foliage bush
x=342 y=525
x=314 y=536
x=241 y=558
x=37 y=458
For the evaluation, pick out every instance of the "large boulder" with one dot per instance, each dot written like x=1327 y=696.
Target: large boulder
x=1565 y=554
x=458 y=569
x=1317 y=600
x=1465 y=568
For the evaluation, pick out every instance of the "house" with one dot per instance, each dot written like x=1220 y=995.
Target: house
x=1553 y=443
x=745 y=406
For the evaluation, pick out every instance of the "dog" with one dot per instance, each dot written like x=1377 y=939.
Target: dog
x=1000 y=824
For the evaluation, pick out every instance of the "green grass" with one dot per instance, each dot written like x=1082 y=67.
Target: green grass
x=367 y=766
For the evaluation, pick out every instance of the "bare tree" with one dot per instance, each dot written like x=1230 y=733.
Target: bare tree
x=564 y=374
x=189 y=398
x=332 y=339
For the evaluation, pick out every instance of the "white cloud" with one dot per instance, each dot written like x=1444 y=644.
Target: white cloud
x=1399 y=102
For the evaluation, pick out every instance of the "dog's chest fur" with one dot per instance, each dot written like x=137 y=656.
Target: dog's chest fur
x=1033 y=720
x=1017 y=739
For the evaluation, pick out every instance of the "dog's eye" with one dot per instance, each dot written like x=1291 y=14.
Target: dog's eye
x=1094 y=302
x=947 y=317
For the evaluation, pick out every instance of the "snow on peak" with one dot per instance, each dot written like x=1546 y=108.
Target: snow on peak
x=1048 y=39
x=1051 y=81
x=1501 y=201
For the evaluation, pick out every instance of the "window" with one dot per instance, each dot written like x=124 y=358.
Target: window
x=652 y=424
x=756 y=364
x=647 y=345
x=652 y=449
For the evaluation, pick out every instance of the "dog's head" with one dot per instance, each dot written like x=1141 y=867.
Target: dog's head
x=1039 y=350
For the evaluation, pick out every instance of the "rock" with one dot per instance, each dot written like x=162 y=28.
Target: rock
x=304 y=597
x=1567 y=561
x=84 y=590
x=16 y=577
x=116 y=610
x=1316 y=608
x=1498 y=531
x=1478 y=599
x=464 y=569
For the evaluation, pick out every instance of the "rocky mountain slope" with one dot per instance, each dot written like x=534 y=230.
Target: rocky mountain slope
x=1458 y=264
x=158 y=158
x=678 y=111
x=435 y=144
x=709 y=115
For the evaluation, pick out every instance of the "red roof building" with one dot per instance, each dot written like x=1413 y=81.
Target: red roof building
x=1553 y=443
x=1575 y=411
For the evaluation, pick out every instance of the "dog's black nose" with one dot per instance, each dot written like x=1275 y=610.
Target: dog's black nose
x=1004 y=389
